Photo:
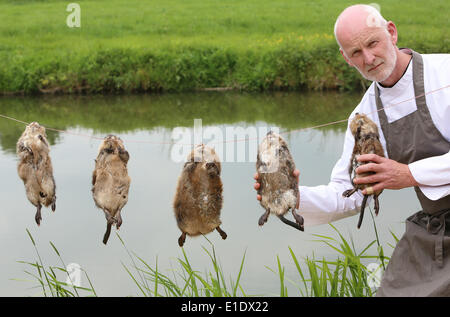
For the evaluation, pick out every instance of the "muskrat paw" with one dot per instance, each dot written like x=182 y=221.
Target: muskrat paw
x=222 y=233
x=349 y=192
x=181 y=239
x=263 y=219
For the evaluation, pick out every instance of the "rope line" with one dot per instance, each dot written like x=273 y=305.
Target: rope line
x=231 y=141
x=370 y=113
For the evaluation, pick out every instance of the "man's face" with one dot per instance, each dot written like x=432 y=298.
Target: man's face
x=371 y=51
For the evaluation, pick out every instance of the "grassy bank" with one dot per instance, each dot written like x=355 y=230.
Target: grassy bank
x=146 y=46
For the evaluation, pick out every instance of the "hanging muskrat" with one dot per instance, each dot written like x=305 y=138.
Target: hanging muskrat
x=367 y=141
x=110 y=181
x=278 y=185
x=35 y=168
x=198 y=199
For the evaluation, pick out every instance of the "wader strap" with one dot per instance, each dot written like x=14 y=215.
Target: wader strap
x=439 y=250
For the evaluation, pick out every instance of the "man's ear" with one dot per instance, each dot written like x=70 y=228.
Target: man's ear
x=345 y=57
x=392 y=29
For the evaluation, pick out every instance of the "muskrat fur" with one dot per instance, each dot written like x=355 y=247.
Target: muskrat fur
x=367 y=141
x=35 y=168
x=110 y=181
x=198 y=199
x=278 y=185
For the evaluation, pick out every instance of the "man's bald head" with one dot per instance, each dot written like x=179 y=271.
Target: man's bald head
x=355 y=19
x=368 y=42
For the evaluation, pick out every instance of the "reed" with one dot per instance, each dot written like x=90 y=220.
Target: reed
x=345 y=276
x=48 y=280
x=184 y=281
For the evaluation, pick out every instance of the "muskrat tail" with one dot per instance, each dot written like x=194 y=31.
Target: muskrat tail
x=291 y=223
x=361 y=213
x=107 y=233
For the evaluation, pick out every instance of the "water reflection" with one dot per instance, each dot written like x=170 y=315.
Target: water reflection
x=118 y=114
x=149 y=227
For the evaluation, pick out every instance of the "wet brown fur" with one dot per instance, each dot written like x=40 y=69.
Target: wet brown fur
x=198 y=199
x=110 y=181
x=278 y=186
x=367 y=141
x=35 y=168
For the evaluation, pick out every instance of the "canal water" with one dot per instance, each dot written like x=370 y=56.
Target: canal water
x=154 y=129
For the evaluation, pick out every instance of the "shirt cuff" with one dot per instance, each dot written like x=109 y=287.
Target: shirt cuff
x=435 y=192
x=434 y=185
x=314 y=211
x=431 y=171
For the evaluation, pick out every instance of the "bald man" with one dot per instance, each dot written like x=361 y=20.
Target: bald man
x=415 y=134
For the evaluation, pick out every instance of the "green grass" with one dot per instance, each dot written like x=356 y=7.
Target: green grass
x=345 y=275
x=186 y=281
x=166 y=24
x=140 y=46
x=48 y=280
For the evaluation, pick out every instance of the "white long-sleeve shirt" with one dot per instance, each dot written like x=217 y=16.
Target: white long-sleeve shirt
x=324 y=204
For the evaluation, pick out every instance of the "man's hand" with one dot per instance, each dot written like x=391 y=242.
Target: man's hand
x=389 y=174
x=296 y=173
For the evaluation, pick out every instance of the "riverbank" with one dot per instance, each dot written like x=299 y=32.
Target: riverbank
x=147 y=46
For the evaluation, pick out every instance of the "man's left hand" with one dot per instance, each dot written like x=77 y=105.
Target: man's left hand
x=389 y=174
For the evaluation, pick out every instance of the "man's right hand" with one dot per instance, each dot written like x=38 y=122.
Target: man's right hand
x=257 y=184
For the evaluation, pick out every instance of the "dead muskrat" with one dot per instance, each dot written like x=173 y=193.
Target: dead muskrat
x=198 y=199
x=367 y=141
x=110 y=181
x=278 y=186
x=35 y=168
